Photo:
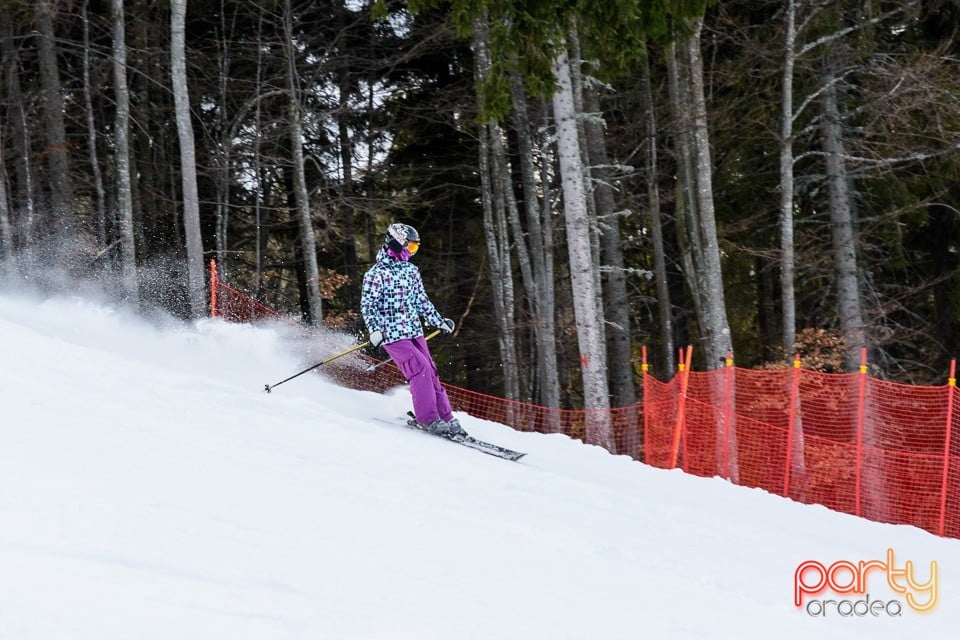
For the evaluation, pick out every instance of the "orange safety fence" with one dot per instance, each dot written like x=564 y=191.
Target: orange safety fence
x=880 y=450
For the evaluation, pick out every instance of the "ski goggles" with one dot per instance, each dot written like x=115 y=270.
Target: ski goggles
x=413 y=247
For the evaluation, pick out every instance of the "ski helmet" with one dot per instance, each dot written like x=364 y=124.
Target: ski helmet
x=402 y=236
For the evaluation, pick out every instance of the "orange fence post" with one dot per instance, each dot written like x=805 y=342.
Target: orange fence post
x=792 y=412
x=681 y=409
x=213 y=288
x=860 y=403
x=644 y=367
x=951 y=390
x=727 y=415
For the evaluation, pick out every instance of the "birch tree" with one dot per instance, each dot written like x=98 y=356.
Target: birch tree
x=685 y=187
x=539 y=235
x=505 y=233
x=496 y=231
x=696 y=217
x=615 y=304
x=128 y=257
x=188 y=162
x=256 y=169
x=843 y=235
x=308 y=242
x=696 y=221
x=714 y=324
x=497 y=241
x=587 y=308
x=100 y=211
x=224 y=149
x=664 y=306
x=787 y=116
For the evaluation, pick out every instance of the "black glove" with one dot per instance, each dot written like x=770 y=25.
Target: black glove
x=376 y=338
x=447 y=325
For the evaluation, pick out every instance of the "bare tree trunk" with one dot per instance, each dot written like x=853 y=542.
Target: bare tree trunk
x=788 y=302
x=499 y=240
x=715 y=326
x=259 y=239
x=714 y=323
x=144 y=178
x=841 y=225
x=541 y=257
x=586 y=296
x=308 y=240
x=347 y=86
x=9 y=65
x=686 y=196
x=371 y=137
x=508 y=217
x=26 y=222
x=496 y=233
x=787 y=294
x=499 y=273
x=698 y=227
x=225 y=151
x=62 y=214
x=100 y=222
x=347 y=222
x=6 y=229
x=188 y=161
x=549 y=290
x=128 y=253
x=840 y=204
x=574 y=64
x=844 y=241
x=664 y=306
x=616 y=304
x=503 y=188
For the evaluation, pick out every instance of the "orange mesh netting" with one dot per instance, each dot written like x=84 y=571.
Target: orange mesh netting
x=880 y=450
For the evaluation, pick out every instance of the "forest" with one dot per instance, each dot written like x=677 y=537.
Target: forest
x=589 y=179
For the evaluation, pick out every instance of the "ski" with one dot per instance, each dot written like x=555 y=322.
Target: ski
x=473 y=443
x=469 y=442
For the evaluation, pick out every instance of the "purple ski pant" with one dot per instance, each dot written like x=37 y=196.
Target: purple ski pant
x=412 y=357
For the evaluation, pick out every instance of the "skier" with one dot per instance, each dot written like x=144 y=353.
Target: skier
x=392 y=302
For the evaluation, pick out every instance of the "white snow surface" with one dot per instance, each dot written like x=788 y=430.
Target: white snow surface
x=150 y=488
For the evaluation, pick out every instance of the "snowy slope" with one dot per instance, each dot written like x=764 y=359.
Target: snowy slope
x=149 y=488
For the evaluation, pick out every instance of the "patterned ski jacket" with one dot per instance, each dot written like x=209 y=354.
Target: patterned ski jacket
x=393 y=299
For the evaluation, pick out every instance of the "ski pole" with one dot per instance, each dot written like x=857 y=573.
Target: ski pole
x=268 y=387
x=373 y=367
